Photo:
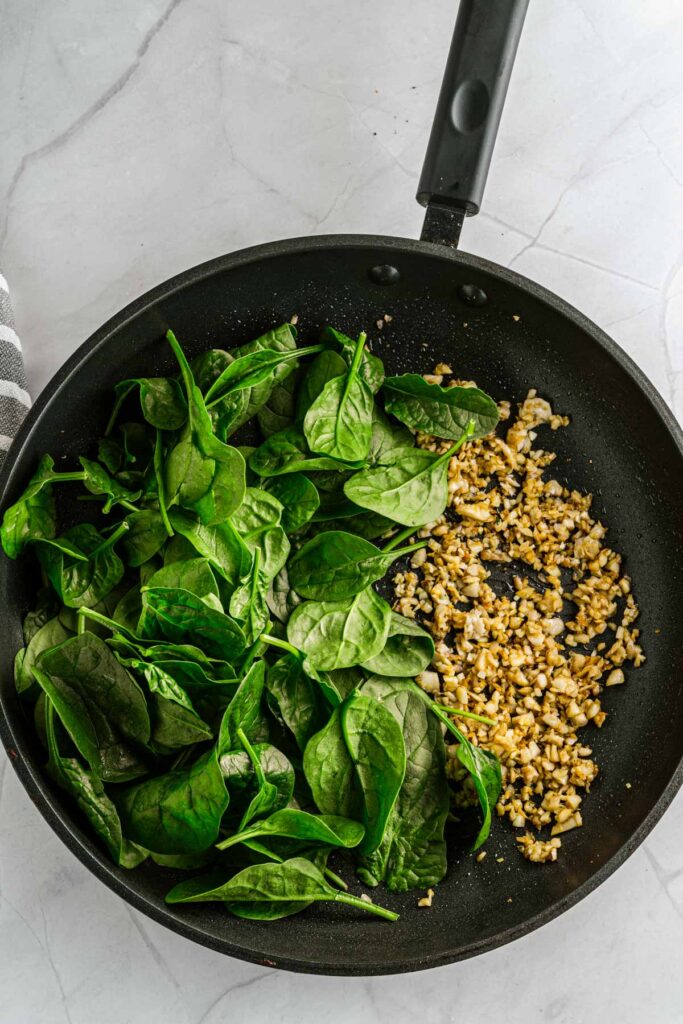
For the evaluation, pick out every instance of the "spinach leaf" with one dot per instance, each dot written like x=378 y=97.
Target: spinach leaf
x=412 y=853
x=194 y=575
x=293 y=881
x=291 y=823
x=248 y=603
x=371 y=367
x=242 y=779
x=339 y=422
x=220 y=544
x=287 y=452
x=202 y=473
x=340 y=634
x=33 y=517
x=145 y=538
x=443 y=412
x=387 y=438
x=408 y=651
x=89 y=793
x=161 y=401
x=299 y=498
x=483 y=766
x=244 y=712
x=50 y=635
x=281 y=598
x=259 y=512
x=100 y=705
x=176 y=813
x=278 y=412
x=47 y=606
x=81 y=582
x=355 y=766
x=322 y=370
x=335 y=565
x=252 y=368
x=297 y=698
x=175 y=725
x=236 y=408
x=412 y=489
x=158 y=679
x=170 y=613
x=98 y=482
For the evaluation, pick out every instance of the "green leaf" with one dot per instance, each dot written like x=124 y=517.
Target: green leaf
x=81 y=582
x=371 y=368
x=355 y=766
x=169 y=613
x=97 y=481
x=248 y=603
x=297 y=697
x=483 y=766
x=287 y=452
x=236 y=408
x=322 y=370
x=299 y=498
x=100 y=705
x=278 y=412
x=32 y=517
x=387 y=438
x=145 y=538
x=194 y=575
x=161 y=401
x=442 y=412
x=340 y=634
x=295 y=881
x=253 y=368
x=281 y=598
x=175 y=725
x=335 y=565
x=412 y=853
x=50 y=635
x=177 y=813
x=241 y=777
x=220 y=544
x=202 y=473
x=339 y=422
x=412 y=489
x=408 y=651
x=89 y=793
x=291 y=823
x=244 y=712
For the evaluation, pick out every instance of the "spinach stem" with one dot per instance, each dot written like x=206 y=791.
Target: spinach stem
x=65 y=477
x=399 y=537
x=253 y=757
x=467 y=714
x=329 y=873
x=120 y=398
x=238 y=837
x=358 y=354
x=275 y=641
x=80 y=623
x=371 y=908
x=158 y=473
x=110 y=541
x=399 y=552
x=128 y=504
x=465 y=436
x=115 y=627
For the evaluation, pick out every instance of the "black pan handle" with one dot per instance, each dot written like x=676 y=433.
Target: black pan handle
x=468 y=113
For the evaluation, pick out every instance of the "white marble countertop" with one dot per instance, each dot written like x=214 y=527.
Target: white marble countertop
x=144 y=136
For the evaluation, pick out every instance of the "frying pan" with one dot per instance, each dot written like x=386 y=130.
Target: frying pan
x=508 y=334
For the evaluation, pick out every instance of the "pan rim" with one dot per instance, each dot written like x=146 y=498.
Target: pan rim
x=34 y=783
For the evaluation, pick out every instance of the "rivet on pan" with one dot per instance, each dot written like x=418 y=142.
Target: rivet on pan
x=472 y=294
x=384 y=274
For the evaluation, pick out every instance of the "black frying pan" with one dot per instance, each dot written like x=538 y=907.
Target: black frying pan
x=623 y=445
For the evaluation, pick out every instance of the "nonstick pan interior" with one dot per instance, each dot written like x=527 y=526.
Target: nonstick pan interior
x=622 y=445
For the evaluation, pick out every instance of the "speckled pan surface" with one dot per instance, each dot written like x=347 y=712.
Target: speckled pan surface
x=623 y=446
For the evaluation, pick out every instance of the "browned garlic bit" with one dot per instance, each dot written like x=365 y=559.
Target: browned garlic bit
x=509 y=655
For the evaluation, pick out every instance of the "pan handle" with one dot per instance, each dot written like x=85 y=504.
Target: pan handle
x=468 y=113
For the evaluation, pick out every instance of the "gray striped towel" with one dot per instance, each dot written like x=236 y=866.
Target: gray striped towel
x=14 y=398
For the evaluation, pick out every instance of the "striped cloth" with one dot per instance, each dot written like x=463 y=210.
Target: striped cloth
x=14 y=398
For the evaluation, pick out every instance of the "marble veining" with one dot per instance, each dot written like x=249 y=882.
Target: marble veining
x=139 y=138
